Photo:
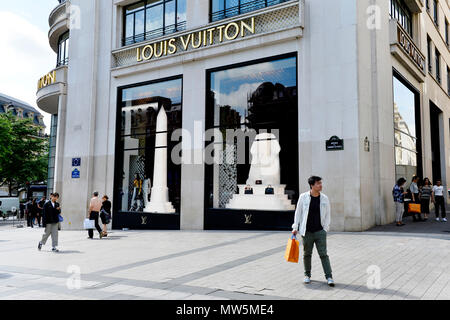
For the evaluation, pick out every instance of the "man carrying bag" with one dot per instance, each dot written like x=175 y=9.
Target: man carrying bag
x=312 y=221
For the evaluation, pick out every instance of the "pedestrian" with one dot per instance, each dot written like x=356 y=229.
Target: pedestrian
x=425 y=196
x=50 y=221
x=22 y=210
x=28 y=210
x=93 y=213
x=414 y=188
x=40 y=211
x=439 y=200
x=105 y=214
x=312 y=221
x=33 y=212
x=399 y=194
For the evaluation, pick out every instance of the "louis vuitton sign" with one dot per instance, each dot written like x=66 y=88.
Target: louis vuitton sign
x=197 y=39
x=410 y=49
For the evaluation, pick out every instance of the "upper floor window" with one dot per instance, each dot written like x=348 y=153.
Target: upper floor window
x=402 y=14
x=430 y=65
x=153 y=18
x=435 y=12
x=448 y=81
x=221 y=9
x=447 y=35
x=63 y=50
x=438 y=66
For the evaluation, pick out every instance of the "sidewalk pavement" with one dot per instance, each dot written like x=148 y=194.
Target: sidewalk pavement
x=411 y=262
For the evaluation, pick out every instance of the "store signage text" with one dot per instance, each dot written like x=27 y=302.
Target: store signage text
x=334 y=144
x=409 y=47
x=48 y=79
x=203 y=38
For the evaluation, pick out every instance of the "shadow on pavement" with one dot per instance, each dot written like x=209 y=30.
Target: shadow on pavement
x=322 y=286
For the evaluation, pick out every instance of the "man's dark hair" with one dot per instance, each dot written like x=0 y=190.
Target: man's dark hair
x=401 y=181
x=56 y=194
x=95 y=194
x=312 y=180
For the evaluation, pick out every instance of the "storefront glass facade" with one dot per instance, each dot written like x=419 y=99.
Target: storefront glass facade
x=406 y=130
x=149 y=183
x=253 y=109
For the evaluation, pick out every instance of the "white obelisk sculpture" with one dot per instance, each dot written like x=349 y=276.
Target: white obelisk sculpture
x=159 y=199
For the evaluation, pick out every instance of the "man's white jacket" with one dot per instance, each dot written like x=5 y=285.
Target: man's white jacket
x=301 y=213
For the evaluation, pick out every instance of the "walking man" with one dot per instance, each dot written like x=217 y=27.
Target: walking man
x=312 y=221
x=439 y=200
x=50 y=220
x=94 y=209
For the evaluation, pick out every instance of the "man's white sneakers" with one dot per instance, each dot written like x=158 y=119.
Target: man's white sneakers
x=444 y=219
x=330 y=282
x=307 y=280
x=437 y=219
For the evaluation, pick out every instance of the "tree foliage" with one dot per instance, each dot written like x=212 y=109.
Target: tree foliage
x=23 y=154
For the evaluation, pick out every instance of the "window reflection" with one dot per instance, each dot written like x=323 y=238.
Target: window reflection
x=150 y=19
x=405 y=130
x=150 y=181
x=260 y=97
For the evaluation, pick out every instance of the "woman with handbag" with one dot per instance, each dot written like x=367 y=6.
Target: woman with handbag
x=105 y=214
x=425 y=197
x=414 y=188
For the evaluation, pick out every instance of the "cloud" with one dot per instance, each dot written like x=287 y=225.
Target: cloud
x=25 y=56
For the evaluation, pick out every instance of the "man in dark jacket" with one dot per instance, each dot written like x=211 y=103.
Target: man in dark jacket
x=50 y=220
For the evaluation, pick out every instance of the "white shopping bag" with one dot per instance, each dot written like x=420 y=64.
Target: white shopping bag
x=89 y=224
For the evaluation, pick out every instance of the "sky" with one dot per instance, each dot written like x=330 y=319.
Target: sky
x=25 y=53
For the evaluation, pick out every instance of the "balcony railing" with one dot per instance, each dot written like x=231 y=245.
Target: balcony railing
x=243 y=8
x=181 y=26
x=63 y=62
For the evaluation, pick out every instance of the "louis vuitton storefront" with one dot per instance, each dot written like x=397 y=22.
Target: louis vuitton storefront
x=221 y=111
x=198 y=114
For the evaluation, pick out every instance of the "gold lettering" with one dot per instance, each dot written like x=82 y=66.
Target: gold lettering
x=221 y=33
x=246 y=26
x=236 y=26
x=157 y=55
x=186 y=43
x=138 y=55
x=149 y=55
x=172 y=46
x=204 y=38
x=211 y=35
x=165 y=48
x=196 y=45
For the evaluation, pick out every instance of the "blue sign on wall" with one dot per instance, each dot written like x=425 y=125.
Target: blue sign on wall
x=76 y=174
x=76 y=162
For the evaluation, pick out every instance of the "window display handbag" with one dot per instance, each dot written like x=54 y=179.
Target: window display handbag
x=414 y=208
x=248 y=190
x=270 y=190
x=292 y=250
x=258 y=182
x=89 y=224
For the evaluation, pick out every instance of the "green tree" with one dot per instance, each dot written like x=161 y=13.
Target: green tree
x=23 y=154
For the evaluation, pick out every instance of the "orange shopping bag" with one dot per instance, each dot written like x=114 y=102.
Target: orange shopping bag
x=414 y=208
x=292 y=250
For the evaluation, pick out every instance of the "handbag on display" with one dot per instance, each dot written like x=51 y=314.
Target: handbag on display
x=258 y=182
x=89 y=224
x=248 y=190
x=270 y=190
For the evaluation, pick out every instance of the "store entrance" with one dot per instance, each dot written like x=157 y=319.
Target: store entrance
x=435 y=128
